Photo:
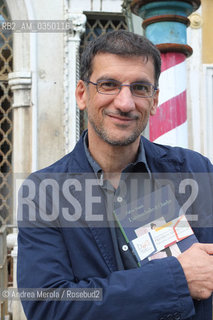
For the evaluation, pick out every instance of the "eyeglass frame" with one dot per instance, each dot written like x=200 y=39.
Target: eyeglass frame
x=123 y=85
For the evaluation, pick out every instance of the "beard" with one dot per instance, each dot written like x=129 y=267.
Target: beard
x=106 y=136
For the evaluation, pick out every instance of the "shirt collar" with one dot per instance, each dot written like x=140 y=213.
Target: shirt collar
x=140 y=162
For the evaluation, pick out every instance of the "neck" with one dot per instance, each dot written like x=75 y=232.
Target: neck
x=112 y=159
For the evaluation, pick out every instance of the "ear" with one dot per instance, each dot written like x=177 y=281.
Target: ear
x=81 y=95
x=155 y=103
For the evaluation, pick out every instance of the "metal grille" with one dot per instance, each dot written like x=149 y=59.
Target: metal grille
x=97 y=24
x=3 y=269
x=6 y=60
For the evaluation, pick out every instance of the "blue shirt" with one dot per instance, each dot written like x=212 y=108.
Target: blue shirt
x=114 y=197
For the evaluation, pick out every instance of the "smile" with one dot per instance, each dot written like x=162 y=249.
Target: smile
x=121 y=117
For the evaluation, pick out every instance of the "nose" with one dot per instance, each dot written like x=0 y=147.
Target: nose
x=124 y=100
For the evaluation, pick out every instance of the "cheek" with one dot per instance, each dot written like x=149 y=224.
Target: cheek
x=144 y=108
x=101 y=102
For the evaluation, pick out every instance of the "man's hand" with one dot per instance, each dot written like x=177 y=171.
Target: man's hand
x=197 y=264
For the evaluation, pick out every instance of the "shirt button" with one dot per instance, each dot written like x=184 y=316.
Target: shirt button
x=119 y=199
x=125 y=247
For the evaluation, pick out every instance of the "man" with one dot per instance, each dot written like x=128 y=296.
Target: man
x=119 y=91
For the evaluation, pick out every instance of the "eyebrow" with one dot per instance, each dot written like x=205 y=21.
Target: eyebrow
x=105 y=77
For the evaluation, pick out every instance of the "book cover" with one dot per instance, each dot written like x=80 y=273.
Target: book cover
x=154 y=226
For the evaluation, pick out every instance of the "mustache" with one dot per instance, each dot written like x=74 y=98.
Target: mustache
x=127 y=115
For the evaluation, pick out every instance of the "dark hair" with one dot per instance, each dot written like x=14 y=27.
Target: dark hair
x=120 y=42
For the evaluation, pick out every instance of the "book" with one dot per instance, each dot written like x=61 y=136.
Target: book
x=155 y=226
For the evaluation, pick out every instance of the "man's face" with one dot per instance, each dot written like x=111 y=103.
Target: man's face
x=117 y=119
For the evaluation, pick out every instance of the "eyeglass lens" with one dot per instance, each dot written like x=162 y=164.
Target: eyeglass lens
x=113 y=87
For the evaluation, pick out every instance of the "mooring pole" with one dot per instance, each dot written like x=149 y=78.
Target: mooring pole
x=165 y=24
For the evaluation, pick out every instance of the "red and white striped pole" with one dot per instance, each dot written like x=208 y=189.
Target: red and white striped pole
x=165 y=23
x=169 y=125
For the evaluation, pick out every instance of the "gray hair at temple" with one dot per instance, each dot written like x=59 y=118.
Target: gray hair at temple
x=123 y=43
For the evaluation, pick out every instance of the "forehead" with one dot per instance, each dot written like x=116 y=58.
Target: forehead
x=122 y=67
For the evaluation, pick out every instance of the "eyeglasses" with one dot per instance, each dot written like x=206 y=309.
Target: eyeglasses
x=111 y=87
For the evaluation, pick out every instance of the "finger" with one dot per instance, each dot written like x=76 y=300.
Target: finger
x=207 y=247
